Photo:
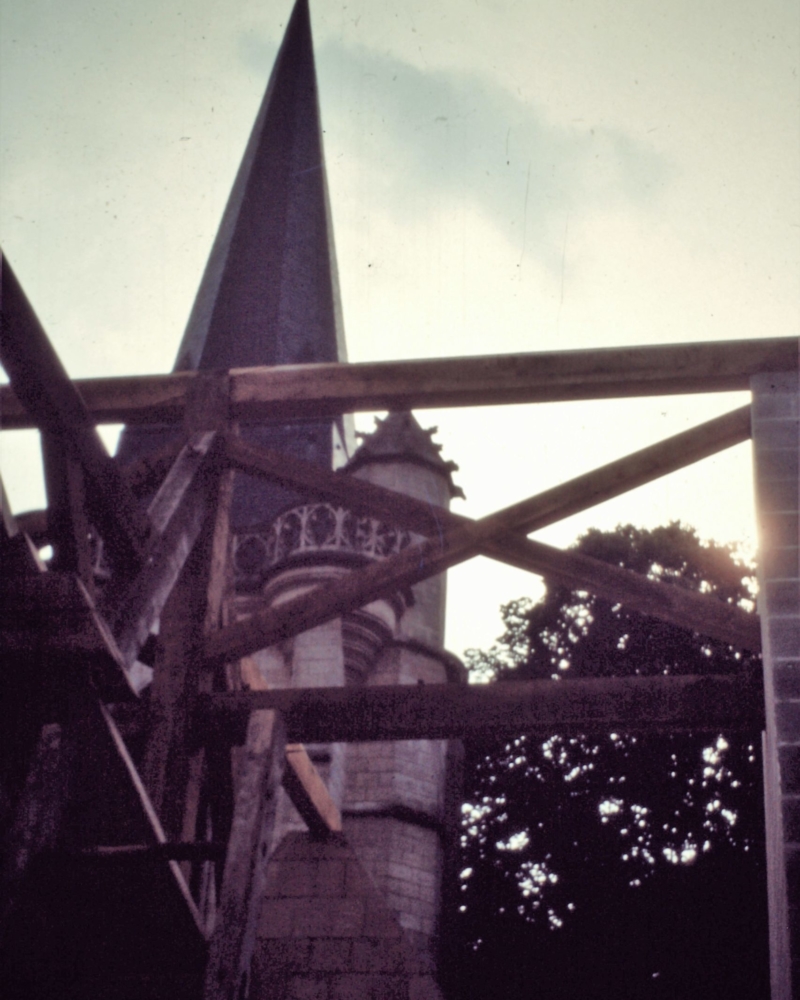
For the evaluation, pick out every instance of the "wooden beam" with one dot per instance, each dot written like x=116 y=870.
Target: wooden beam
x=300 y=391
x=151 y=814
x=177 y=514
x=244 y=880
x=451 y=711
x=301 y=780
x=176 y=679
x=144 y=477
x=54 y=404
x=67 y=518
x=39 y=812
x=686 y=609
x=703 y=613
x=465 y=538
x=18 y=553
x=580 y=493
x=309 y=793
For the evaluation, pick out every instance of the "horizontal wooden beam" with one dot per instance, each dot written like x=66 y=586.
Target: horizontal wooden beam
x=311 y=391
x=452 y=711
x=195 y=850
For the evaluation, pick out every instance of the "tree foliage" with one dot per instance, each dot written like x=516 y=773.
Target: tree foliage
x=576 y=832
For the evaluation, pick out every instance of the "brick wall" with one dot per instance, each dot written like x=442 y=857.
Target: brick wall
x=776 y=441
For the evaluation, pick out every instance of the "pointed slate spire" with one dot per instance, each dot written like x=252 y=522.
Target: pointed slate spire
x=269 y=294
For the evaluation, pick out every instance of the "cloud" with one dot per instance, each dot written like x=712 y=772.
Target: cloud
x=460 y=136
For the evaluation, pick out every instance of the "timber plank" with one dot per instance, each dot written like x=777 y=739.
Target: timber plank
x=67 y=518
x=531 y=514
x=451 y=711
x=301 y=779
x=298 y=391
x=176 y=674
x=418 y=562
x=177 y=514
x=244 y=880
x=309 y=793
x=54 y=403
x=703 y=613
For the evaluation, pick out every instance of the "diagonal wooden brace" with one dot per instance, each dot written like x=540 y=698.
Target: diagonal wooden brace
x=465 y=538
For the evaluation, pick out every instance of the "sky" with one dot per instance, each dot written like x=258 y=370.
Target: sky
x=504 y=177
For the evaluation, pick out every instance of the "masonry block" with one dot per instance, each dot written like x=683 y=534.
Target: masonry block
x=368 y=987
x=347 y=918
x=376 y=955
x=783 y=597
x=792 y=855
x=782 y=531
x=423 y=988
x=330 y=877
x=775 y=395
x=277 y=918
x=776 y=465
x=789 y=757
x=380 y=922
x=286 y=953
x=780 y=563
x=786 y=678
x=308 y=988
x=295 y=878
x=784 y=636
x=332 y=955
x=778 y=495
x=787 y=715
x=791 y=819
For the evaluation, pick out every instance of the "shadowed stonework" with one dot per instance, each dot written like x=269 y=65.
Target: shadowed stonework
x=326 y=932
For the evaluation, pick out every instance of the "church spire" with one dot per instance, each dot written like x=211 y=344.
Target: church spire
x=269 y=294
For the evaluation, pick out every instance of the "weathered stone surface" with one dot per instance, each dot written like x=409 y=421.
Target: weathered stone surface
x=314 y=941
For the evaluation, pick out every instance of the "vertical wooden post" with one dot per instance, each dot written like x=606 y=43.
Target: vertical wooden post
x=171 y=774
x=68 y=522
x=37 y=823
x=244 y=881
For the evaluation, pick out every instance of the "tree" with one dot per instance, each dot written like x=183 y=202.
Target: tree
x=627 y=866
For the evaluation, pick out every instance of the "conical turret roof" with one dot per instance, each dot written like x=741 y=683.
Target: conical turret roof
x=399 y=437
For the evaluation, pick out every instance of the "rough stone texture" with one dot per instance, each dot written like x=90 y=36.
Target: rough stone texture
x=326 y=931
x=359 y=917
x=425 y=619
x=776 y=440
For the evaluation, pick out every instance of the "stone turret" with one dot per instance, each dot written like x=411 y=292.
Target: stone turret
x=359 y=916
x=394 y=803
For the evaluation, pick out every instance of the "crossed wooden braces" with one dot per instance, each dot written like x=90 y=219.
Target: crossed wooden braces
x=171 y=568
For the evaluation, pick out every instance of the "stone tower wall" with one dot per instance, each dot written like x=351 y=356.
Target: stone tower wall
x=394 y=798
